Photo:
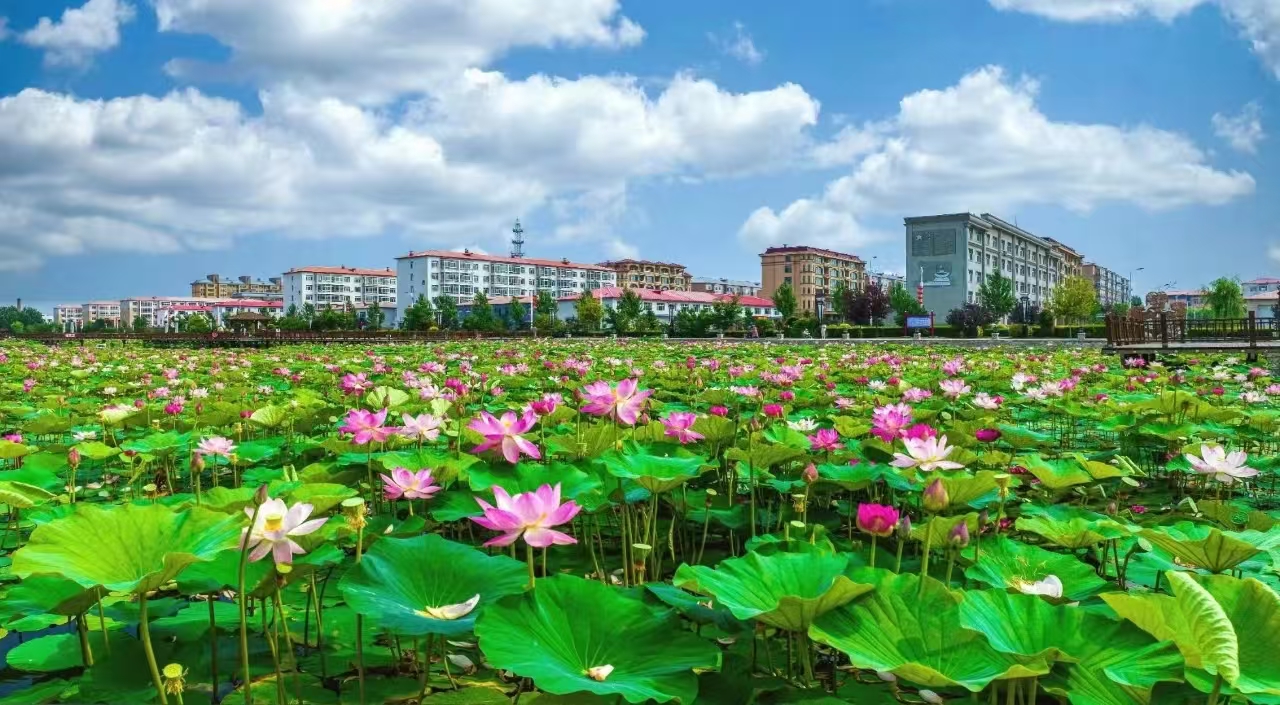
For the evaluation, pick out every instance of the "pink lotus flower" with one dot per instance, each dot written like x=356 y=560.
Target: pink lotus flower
x=824 y=439
x=546 y=405
x=720 y=411
x=877 y=519
x=1224 y=468
x=919 y=431
x=773 y=411
x=529 y=514
x=216 y=446
x=276 y=525
x=622 y=402
x=423 y=427
x=679 y=424
x=506 y=432
x=408 y=484
x=927 y=454
x=366 y=426
x=354 y=383
x=745 y=391
x=810 y=474
x=954 y=388
x=173 y=409
x=888 y=421
x=915 y=395
x=28 y=385
x=987 y=435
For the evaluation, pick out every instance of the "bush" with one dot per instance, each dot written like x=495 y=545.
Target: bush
x=970 y=318
x=1092 y=330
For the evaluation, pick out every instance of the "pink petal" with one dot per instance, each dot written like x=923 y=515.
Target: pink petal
x=563 y=514
x=308 y=527
x=504 y=540
x=281 y=553
x=262 y=549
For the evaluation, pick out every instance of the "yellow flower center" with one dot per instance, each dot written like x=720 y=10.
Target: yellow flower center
x=274 y=522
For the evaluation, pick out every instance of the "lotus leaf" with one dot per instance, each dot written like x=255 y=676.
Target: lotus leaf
x=1005 y=563
x=1206 y=547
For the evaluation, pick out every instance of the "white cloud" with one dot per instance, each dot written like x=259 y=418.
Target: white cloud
x=1258 y=20
x=374 y=50
x=190 y=171
x=1244 y=131
x=81 y=33
x=1275 y=253
x=984 y=144
x=739 y=45
x=4 y=28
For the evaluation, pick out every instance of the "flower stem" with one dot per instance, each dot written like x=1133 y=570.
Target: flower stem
x=213 y=651
x=1217 y=690
x=360 y=619
x=924 y=560
x=528 y=556
x=144 y=631
x=244 y=600
x=951 y=563
x=897 y=567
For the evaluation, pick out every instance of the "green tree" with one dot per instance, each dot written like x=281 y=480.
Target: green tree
x=517 y=314
x=1135 y=302
x=419 y=315
x=589 y=311
x=1073 y=300
x=292 y=310
x=29 y=317
x=1120 y=308
x=625 y=314
x=1224 y=297
x=649 y=322
x=904 y=303
x=546 y=304
x=140 y=324
x=784 y=299
x=841 y=300
x=727 y=315
x=375 y=316
x=17 y=327
x=481 y=317
x=197 y=323
x=448 y=312
x=309 y=313
x=997 y=296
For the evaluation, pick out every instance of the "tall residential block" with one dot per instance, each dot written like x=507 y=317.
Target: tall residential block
x=435 y=273
x=215 y=286
x=339 y=287
x=647 y=274
x=813 y=273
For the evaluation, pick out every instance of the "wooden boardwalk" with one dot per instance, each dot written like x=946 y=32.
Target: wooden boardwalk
x=1163 y=333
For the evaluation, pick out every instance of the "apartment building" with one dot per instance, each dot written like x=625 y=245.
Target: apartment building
x=69 y=316
x=215 y=286
x=812 y=272
x=147 y=307
x=741 y=287
x=1072 y=261
x=337 y=287
x=952 y=255
x=1111 y=288
x=885 y=280
x=436 y=273
x=1261 y=285
x=218 y=310
x=108 y=311
x=666 y=304
x=647 y=274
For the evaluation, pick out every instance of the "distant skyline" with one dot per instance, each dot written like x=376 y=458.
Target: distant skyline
x=147 y=143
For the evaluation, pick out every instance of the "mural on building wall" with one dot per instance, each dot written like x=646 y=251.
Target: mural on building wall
x=933 y=243
x=937 y=273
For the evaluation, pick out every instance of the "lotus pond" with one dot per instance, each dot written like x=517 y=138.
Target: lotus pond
x=568 y=522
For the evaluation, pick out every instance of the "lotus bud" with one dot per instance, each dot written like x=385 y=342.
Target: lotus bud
x=197 y=463
x=959 y=536
x=174 y=679
x=984 y=517
x=1112 y=508
x=73 y=458
x=904 y=527
x=936 y=497
x=260 y=496
x=810 y=474
x=931 y=697
x=599 y=673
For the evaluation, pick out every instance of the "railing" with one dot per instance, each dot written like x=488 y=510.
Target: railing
x=1165 y=329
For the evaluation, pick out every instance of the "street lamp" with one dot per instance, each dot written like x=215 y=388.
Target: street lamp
x=1129 y=297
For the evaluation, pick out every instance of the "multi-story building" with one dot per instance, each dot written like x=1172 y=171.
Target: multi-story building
x=952 y=255
x=813 y=273
x=1072 y=261
x=215 y=286
x=741 y=287
x=1261 y=285
x=666 y=304
x=147 y=307
x=1110 y=287
x=436 y=273
x=1192 y=298
x=337 y=287
x=218 y=310
x=646 y=274
x=1264 y=305
x=108 y=311
x=885 y=280
x=69 y=316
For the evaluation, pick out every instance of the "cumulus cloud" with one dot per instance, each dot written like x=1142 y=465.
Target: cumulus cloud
x=984 y=144
x=1244 y=131
x=1257 y=20
x=375 y=50
x=191 y=171
x=738 y=45
x=81 y=33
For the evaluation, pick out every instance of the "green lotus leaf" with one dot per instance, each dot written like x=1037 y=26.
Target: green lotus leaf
x=96 y=450
x=321 y=496
x=48 y=423
x=46 y=654
x=385 y=398
x=849 y=427
x=1237 y=516
x=1207 y=547
x=1022 y=438
x=971 y=489
x=655 y=473
x=1056 y=474
x=917 y=635
x=715 y=429
x=1068 y=527
x=785 y=435
x=694 y=608
x=764 y=455
x=20 y=495
x=445 y=467
x=1115 y=662
x=261 y=579
x=938 y=529
x=158 y=444
x=50 y=593
x=862 y=475
x=783 y=590
x=569 y=628
x=269 y=417
x=528 y=477
x=128 y=549
x=1005 y=563
x=400 y=583
x=1223 y=625
x=12 y=451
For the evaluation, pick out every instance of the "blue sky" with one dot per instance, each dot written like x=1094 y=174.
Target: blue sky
x=146 y=143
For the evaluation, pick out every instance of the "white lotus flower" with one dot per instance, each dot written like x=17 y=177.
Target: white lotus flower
x=599 y=673
x=927 y=454
x=1048 y=586
x=1224 y=468
x=451 y=612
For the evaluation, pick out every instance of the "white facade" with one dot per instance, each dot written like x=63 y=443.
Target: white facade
x=100 y=310
x=149 y=307
x=740 y=287
x=436 y=273
x=68 y=315
x=325 y=287
x=1261 y=285
x=666 y=304
x=885 y=280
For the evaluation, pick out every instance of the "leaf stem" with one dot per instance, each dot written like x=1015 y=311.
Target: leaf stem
x=144 y=631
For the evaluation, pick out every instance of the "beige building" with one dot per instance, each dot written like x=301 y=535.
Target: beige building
x=108 y=311
x=215 y=286
x=811 y=271
x=644 y=274
x=1072 y=261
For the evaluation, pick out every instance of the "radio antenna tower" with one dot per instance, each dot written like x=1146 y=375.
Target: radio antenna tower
x=517 y=242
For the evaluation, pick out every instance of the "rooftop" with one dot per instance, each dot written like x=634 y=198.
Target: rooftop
x=1264 y=296
x=343 y=270
x=616 y=262
x=675 y=297
x=1264 y=280
x=733 y=282
x=479 y=257
x=806 y=248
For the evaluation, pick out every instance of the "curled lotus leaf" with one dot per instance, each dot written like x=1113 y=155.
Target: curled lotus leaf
x=1211 y=548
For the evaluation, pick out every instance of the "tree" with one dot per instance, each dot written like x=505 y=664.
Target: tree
x=1028 y=315
x=649 y=322
x=1135 y=302
x=1073 y=300
x=29 y=317
x=624 y=315
x=545 y=312
x=842 y=301
x=517 y=313
x=904 y=303
x=969 y=318
x=140 y=324
x=689 y=323
x=309 y=313
x=1120 y=308
x=197 y=323
x=727 y=314
x=448 y=312
x=292 y=310
x=589 y=312
x=996 y=295
x=415 y=316
x=869 y=306
x=375 y=316
x=481 y=317
x=1224 y=297
x=784 y=299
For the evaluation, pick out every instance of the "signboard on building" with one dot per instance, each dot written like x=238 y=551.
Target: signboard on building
x=933 y=243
